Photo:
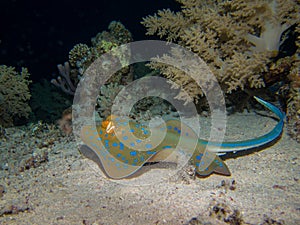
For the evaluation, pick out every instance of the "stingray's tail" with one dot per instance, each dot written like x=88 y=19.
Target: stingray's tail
x=225 y=147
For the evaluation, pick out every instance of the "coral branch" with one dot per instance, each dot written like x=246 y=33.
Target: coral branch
x=64 y=81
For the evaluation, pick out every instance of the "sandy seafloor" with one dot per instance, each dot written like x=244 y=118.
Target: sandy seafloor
x=47 y=181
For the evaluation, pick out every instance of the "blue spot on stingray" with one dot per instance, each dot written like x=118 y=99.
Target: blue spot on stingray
x=106 y=141
x=186 y=134
x=125 y=166
x=131 y=130
x=169 y=127
x=138 y=141
x=148 y=146
x=175 y=128
x=151 y=152
x=103 y=153
x=115 y=144
x=197 y=164
x=100 y=132
x=137 y=125
x=106 y=135
x=142 y=159
x=95 y=133
x=133 y=153
x=121 y=146
x=123 y=158
x=132 y=144
x=167 y=146
x=135 y=160
x=112 y=159
x=91 y=137
x=95 y=145
x=198 y=157
x=117 y=164
x=87 y=132
x=99 y=139
x=119 y=155
x=179 y=131
x=146 y=132
x=117 y=119
x=125 y=138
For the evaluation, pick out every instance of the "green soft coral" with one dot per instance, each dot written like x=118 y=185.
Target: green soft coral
x=14 y=95
x=82 y=55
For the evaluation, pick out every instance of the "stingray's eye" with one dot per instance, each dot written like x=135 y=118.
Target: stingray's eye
x=110 y=127
x=105 y=123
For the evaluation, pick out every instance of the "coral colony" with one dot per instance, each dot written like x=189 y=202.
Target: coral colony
x=240 y=41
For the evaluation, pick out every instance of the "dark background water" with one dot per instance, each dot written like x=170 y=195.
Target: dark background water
x=38 y=34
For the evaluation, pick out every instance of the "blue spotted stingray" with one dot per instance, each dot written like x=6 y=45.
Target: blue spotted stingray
x=121 y=147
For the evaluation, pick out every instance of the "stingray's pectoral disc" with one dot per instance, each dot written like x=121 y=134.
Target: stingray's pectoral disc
x=117 y=160
x=136 y=136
